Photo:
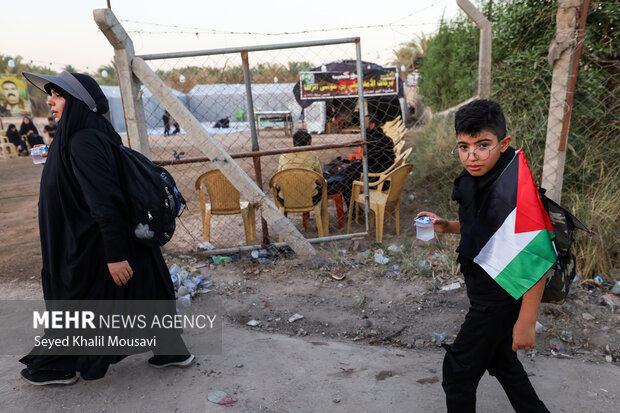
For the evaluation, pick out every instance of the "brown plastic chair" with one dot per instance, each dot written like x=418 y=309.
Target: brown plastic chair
x=225 y=200
x=379 y=199
x=295 y=187
x=399 y=161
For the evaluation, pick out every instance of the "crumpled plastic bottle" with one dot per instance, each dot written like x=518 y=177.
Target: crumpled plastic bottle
x=380 y=258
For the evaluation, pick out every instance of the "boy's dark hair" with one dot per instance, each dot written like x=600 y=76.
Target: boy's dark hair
x=302 y=138
x=480 y=115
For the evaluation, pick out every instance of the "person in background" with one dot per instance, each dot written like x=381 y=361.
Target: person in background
x=222 y=123
x=16 y=139
x=50 y=128
x=305 y=160
x=177 y=128
x=166 y=120
x=31 y=132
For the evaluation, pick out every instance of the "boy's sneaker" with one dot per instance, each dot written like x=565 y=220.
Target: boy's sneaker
x=160 y=362
x=46 y=377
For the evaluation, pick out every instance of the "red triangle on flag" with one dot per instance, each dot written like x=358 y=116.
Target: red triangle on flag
x=531 y=214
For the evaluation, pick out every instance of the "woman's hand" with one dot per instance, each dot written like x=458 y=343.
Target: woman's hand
x=121 y=272
x=439 y=224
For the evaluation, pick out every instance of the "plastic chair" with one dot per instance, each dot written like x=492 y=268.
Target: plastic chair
x=295 y=187
x=7 y=150
x=225 y=200
x=399 y=161
x=339 y=200
x=379 y=199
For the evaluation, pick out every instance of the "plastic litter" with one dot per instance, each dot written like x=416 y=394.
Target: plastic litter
x=616 y=288
x=599 y=280
x=380 y=258
x=221 y=398
x=175 y=281
x=450 y=287
x=175 y=269
x=253 y=323
x=184 y=301
x=219 y=259
x=263 y=260
x=396 y=269
x=295 y=317
x=259 y=253
x=438 y=338
x=394 y=248
x=206 y=246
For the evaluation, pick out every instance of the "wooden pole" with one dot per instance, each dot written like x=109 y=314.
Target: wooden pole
x=560 y=55
x=484 y=55
x=235 y=174
x=129 y=85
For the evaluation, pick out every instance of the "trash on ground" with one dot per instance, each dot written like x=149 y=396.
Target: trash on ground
x=253 y=323
x=337 y=277
x=588 y=316
x=259 y=253
x=264 y=260
x=175 y=269
x=616 y=288
x=438 y=338
x=219 y=259
x=295 y=317
x=396 y=269
x=450 y=287
x=206 y=246
x=184 y=301
x=221 y=398
x=612 y=301
x=380 y=258
x=539 y=327
x=394 y=248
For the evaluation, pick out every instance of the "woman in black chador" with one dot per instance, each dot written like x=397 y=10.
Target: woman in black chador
x=88 y=251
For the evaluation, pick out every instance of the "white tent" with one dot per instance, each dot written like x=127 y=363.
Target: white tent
x=209 y=103
x=153 y=110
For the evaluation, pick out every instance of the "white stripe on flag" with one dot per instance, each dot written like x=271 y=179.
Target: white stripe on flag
x=503 y=246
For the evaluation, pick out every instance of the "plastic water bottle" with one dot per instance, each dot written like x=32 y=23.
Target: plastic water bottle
x=425 y=230
x=259 y=253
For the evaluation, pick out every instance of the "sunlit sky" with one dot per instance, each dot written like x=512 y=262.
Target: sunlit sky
x=64 y=32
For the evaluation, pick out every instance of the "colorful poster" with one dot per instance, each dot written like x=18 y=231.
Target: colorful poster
x=333 y=85
x=13 y=96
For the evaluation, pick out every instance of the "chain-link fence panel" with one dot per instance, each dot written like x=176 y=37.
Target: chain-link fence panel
x=298 y=135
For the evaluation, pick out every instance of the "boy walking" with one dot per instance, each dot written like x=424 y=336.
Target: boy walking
x=501 y=223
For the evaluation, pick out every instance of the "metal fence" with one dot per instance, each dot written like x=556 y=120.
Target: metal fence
x=304 y=153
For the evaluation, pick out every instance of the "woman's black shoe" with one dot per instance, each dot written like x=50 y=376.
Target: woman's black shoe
x=169 y=361
x=46 y=377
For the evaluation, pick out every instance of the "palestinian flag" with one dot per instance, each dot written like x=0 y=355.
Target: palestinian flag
x=512 y=235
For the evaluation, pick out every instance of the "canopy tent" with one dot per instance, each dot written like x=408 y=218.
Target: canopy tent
x=385 y=107
x=209 y=103
x=153 y=110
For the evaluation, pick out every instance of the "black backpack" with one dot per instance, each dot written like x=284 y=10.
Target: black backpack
x=153 y=200
x=562 y=273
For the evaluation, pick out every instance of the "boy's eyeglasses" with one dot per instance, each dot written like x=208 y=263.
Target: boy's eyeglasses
x=481 y=153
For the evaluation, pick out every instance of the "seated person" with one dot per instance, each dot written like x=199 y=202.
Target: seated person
x=50 y=128
x=380 y=153
x=222 y=123
x=306 y=160
x=30 y=130
x=16 y=139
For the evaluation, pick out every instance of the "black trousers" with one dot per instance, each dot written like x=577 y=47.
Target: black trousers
x=485 y=343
